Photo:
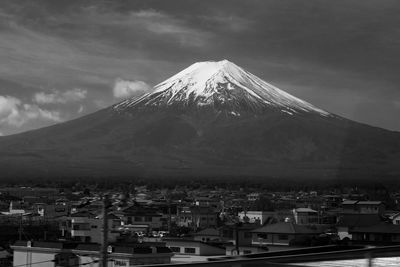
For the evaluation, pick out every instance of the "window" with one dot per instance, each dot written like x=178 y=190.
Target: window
x=138 y=219
x=93 y=226
x=283 y=237
x=148 y=218
x=175 y=249
x=190 y=250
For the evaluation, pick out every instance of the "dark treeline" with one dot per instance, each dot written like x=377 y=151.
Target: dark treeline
x=229 y=183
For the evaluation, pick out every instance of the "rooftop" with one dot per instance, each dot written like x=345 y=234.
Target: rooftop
x=291 y=228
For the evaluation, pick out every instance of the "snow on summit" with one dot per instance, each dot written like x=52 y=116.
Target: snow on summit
x=221 y=85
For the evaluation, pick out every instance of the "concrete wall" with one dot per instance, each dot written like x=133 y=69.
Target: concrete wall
x=201 y=249
x=46 y=256
x=272 y=239
x=22 y=257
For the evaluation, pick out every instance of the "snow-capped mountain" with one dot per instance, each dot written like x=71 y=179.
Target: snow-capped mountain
x=221 y=85
x=211 y=120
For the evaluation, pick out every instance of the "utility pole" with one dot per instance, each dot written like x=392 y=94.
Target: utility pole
x=104 y=245
x=237 y=239
x=169 y=215
x=20 y=228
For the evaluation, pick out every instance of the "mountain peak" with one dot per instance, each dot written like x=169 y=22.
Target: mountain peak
x=221 y=85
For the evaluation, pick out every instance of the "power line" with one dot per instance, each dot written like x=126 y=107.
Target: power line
x=79 y=264
x=21 y=265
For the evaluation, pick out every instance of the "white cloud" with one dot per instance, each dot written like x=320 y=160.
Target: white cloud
x=16 y=114
x=150 y=23
x=124 y=88
x=230 y=23
x=166 y=25
x=57 y=97
x=80 y=110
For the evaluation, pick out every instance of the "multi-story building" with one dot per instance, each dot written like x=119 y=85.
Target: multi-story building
x=305 y=216
x=86 y=227
x=143 y=217
x=197 y=217
x=50 y=211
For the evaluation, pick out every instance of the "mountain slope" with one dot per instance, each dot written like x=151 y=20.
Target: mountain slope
x=213 y=119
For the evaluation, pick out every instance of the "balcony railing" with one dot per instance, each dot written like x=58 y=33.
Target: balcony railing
x=299 y=257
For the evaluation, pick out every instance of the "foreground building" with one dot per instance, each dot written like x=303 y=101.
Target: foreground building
x=50 y=254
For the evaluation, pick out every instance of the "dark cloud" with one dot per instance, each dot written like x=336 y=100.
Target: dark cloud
x=339 y=55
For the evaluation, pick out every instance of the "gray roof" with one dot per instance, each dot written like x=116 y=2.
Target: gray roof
x=349 y=202
x=381 y=228
x=291 y=228
x=208 y=232
x=351 y=220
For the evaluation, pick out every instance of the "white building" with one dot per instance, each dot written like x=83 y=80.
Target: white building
x=193 y=247
x=255 y=216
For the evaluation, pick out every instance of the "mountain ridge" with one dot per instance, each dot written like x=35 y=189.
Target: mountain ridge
x=223 y=85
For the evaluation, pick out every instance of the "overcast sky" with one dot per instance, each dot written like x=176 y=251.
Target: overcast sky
x=63 y=59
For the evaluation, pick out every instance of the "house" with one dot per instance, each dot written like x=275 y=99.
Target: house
x=332 y=201
x=284 y=233
x=50 y=254
x=5 y=257
x=376 y=234
x=305 y=216
x=18 y=207
x=253 y=196
x=207 y=202
x=240 y=233
x=207 y=235
x=395 y=218
x=363 y=207
x=193 y=247
x=51 y=211
x=145 y=217
x=346 y=222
